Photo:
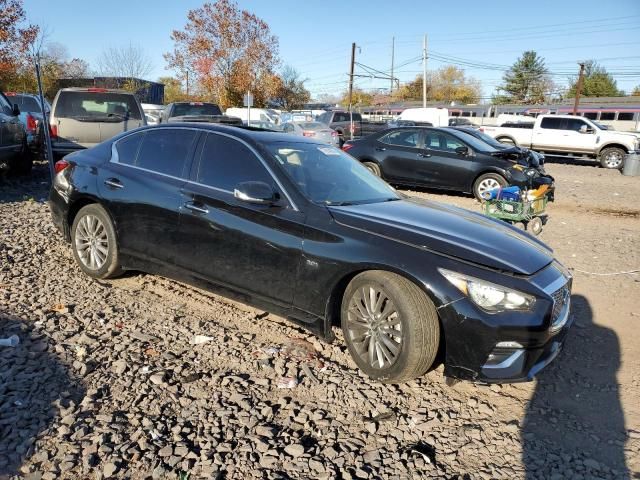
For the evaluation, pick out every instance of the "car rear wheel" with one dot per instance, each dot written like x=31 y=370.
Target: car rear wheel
x=487 y=182
x=93 y=241
x=373 y=168
x=612 y=157
x=390 y=326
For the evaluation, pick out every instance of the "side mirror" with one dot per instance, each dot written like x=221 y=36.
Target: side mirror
x=259 y=193
x=585 y=129
x=15 y=110
x=463 y=151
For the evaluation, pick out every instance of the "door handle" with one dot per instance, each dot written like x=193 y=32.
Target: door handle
x=196 y=208
x=113 y=183
x=380 y=149
x=424 y=155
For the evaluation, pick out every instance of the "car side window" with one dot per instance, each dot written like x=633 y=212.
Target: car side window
x=551 y=123
x=5 y=106
x=166 y=151
x=225 y=162
x=127 y=148
x=402 y=138
x=574 y=124
x=442 y=141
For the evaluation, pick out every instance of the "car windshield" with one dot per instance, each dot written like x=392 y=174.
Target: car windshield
x=603 y=127
x=327 y=175
x=195 y=108
x=476 y=143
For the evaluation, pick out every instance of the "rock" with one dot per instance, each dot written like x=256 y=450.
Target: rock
x=295 y=450
x=157 y=378
x=109 y=469
x=119 y=367
x=166 y=451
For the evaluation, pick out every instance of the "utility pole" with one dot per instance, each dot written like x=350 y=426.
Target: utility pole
x=578 y=89
x=424 y=72
x=187 y=83
x=353 y=61
x=393 y=48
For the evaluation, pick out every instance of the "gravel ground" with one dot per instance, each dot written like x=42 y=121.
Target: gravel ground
x=144 y=377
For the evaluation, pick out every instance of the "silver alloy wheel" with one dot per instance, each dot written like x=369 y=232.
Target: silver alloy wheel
x=487 y=184
x=91 y=241
x=613 y=159
x=374 y=327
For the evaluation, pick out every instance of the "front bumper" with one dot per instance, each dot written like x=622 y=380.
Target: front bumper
x=510 y=346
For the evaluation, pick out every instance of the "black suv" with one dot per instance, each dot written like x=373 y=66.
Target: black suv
x=15 y=156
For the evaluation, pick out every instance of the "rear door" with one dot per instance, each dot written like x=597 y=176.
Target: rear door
x=399 y=155
x=11 y=131
x=248 y=247
x=141 y=186
x=550 y=135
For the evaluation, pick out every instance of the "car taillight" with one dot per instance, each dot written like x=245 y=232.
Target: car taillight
x=60 y=165
x=347 y=146
x=32 y=124
x=53 y=131
x=481 y=129
x=307 y=133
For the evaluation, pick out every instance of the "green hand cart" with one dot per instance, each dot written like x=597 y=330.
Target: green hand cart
x=531 y=213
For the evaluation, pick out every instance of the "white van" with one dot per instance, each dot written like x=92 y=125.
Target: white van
x=438 y=117
x=259 y=114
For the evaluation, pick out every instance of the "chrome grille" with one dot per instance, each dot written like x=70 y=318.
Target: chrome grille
x=560 y=299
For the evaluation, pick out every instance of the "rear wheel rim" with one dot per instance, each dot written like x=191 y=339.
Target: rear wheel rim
x=374 y=327
x=92 y=242
x=372 y=169
x=613 y=159
x=487 y=184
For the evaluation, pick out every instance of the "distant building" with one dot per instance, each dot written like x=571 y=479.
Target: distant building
x=146 y=91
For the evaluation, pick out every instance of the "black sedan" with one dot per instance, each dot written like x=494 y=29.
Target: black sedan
x=440 y=158
x=303 y=230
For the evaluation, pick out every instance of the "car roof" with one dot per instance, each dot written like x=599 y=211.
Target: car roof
x=242 y=132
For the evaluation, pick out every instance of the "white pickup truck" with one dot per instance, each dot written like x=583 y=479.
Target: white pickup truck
x=569 y=136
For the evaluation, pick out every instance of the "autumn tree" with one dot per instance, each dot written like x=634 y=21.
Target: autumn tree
x=597 y=82
x=173 y=91
x=447 y=84
x=16 y=35
x=636 y=91
x=359 y=98
x=290 y=92
x=527 y=81
x=229 y=51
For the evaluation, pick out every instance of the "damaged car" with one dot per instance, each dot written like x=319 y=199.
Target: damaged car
x=301 y=229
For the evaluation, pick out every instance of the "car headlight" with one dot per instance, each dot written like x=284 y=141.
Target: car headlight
x=487 y=295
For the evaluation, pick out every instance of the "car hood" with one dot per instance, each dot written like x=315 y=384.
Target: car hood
x=451 y=231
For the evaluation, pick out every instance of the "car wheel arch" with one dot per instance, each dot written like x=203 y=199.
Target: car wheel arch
x=496 y=171
x=613 y=145
x=80 y=203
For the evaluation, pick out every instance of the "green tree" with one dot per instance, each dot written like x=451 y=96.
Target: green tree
x=450 y=84
x=636 y=91
x=597 y=82
x=173 y=91
x=527 y=81
x=359 y=98
x=290 y=92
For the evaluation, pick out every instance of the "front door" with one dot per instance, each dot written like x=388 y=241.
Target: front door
x=442 y=164
x=247 y=247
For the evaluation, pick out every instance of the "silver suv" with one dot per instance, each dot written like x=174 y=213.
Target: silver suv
x=84 y=117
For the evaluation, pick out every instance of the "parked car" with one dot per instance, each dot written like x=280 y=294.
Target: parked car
x=436 y=116
x=152 y=112
x=569 y=136
x=257 y=114
x=431 y=157
x=83 y=117
x=15 y=156
x=301 y=229
x=459 y=121
x=312 y=130
x=196 y=112
x=31 y=117
x=346 y=122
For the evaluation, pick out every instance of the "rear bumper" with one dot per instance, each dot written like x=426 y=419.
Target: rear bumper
x=57 y=207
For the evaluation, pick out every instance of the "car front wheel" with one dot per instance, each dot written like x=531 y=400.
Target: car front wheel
x=373 y=168
x=93 y=241
x=390 y=326
x=486 y=182
x=612 y=157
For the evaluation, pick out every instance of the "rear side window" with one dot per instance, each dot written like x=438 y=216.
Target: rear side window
x=226 y=162
x=551 y=123
x=97 y=106
x=127 y=148
x=166 y=150
x=27 y=104
x=4 y=104
x=402 y=138
x=340 y=117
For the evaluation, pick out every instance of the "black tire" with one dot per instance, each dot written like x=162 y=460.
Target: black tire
x=484 y=181
x=110 y=267
x=535 y=224
x=373 y=168
x=415 y=324
x=612 y=157
x=507 y=141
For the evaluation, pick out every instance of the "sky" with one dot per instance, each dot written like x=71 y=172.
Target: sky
x=315 y=36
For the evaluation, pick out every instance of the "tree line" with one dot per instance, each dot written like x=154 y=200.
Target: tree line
x=224 y=51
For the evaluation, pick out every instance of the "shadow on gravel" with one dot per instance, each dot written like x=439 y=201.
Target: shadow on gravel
x=574 y=426
x=35 y=186
x=34 y=385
